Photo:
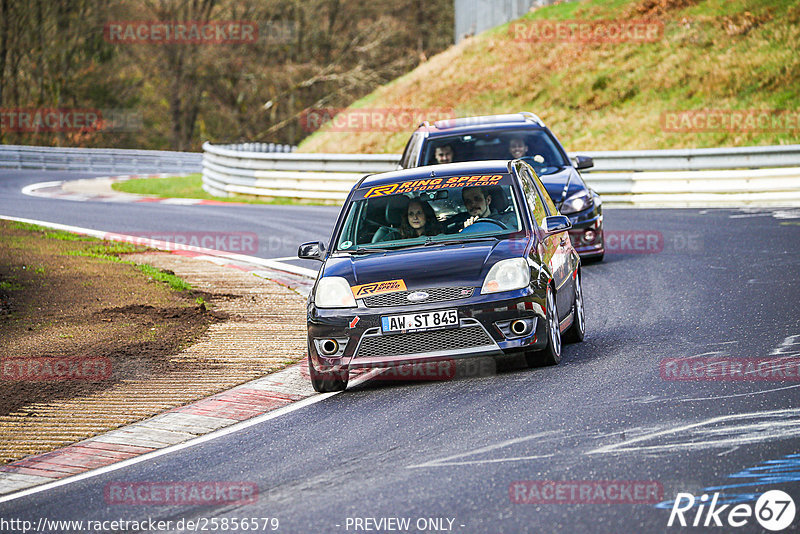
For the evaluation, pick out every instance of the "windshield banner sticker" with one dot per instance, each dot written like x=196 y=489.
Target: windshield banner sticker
x=434 y=183
x=378 y=288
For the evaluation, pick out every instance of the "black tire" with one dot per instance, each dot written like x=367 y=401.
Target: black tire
x=551 y=354
x=577 y=329
x=325 y=382
x=595 y=258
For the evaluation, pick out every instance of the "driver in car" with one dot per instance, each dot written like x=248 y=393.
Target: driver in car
x=444 y=154
x=517 y=147
x=478 y=203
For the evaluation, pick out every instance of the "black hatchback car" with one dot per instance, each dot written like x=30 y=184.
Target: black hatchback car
x=519 y=135
x=441 y=262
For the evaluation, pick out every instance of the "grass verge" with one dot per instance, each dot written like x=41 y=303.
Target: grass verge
x=67 y=300
x=191 y=186
x=106 y=251
x=713 y=55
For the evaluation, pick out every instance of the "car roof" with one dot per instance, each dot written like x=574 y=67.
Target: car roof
x=484 y=123
x=499 y=166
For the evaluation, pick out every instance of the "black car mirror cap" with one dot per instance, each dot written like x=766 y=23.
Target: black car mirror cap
x=583 y=162
x=555 y=224
x=313 y=250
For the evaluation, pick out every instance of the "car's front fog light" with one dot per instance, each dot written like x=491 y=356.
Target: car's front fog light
x=507 y=275
x=334 y=292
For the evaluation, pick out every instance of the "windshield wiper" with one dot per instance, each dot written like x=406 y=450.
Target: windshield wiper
x=367 y=250
x=430 y=241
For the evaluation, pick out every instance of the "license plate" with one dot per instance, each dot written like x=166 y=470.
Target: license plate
x=419 y=321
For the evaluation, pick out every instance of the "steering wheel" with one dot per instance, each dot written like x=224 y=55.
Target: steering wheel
x=485 y=220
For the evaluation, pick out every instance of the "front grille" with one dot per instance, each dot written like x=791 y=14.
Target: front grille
x=437 y=294
x=466 y=337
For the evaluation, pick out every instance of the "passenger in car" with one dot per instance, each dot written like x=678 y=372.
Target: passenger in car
x=420 y=219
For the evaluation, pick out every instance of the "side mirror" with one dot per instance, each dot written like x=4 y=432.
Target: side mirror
x=583 y=162
x=314 y=250
x=555 y=224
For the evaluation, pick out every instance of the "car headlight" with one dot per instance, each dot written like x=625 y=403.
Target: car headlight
x=334 y=292
x=577 y=202
x=507 y=275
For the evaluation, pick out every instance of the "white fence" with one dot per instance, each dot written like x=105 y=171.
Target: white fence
x=759 y=176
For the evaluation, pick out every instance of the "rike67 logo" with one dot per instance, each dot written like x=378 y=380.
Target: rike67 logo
x=774 y=511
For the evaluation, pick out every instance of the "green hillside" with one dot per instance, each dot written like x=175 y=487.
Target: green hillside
x=709 y=55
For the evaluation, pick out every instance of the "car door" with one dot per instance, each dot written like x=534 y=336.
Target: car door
x=546 y=246
x=557 y=246
x=564 y=260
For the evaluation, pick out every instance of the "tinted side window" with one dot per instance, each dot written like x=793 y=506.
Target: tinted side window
x=532 y=196
x=551 y=207
x=406 y=152
x=411 y=154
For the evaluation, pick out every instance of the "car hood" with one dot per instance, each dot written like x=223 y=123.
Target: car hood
x=562 y=184
x=460 y=265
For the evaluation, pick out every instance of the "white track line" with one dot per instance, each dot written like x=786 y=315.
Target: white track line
x=31 y=189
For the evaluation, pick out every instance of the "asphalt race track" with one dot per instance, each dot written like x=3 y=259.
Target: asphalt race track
x=279 y=229
x=698 y=284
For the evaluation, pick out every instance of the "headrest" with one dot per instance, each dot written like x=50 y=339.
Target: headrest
x=396 y=209
x=499 y=201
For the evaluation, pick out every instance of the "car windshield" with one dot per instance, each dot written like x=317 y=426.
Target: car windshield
x=536 y=146
x=430 y=211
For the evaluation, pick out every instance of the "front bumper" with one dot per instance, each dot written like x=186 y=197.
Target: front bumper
x=586 y=233
x=362 y=343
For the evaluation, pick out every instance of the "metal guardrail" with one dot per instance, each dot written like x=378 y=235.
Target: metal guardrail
x=669 y=178
x=696 y=159
x=257 y=147
x=227 y=171
x=712 y=188
x=111 y=160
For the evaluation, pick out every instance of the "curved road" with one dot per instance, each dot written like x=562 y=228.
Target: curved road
x=450 y=455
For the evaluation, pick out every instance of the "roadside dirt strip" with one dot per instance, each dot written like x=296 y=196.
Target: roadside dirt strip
x=264 y=334
x=99 y=190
